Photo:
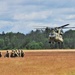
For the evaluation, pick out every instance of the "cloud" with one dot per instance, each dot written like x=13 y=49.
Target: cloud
x=22 y=15
x=33 y=15
x=3 y=7
x=70 y=17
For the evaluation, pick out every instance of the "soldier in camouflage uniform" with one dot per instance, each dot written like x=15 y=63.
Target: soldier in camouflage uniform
x=7 y=54
x=19 y=53
x=22 y=53
x=12 y=54
x=16 y=53
x=0 y=54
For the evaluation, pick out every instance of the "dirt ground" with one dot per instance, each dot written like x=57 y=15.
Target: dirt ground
x=46 y=62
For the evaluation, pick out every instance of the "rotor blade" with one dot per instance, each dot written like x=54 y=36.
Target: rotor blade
x=39 y=27
x=63 y=26
x=44 y=27
x=68 y=27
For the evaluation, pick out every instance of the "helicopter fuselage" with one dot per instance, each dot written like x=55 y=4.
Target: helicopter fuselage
x=55 y=37
x=55 y=33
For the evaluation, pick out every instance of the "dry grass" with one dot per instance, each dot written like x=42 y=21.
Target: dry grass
x=39 y=63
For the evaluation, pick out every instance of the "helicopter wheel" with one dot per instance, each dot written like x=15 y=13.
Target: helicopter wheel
x=50 y=42
x=60 y=45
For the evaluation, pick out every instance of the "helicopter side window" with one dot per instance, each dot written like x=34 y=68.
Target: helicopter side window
x=61 y=32
x=56 y=31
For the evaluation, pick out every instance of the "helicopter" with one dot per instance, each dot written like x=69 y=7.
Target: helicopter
x=56 y=33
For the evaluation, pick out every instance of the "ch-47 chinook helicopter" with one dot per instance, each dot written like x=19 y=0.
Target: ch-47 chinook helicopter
x=55 y=34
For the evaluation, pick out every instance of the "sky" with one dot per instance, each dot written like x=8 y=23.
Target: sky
x=23 y=15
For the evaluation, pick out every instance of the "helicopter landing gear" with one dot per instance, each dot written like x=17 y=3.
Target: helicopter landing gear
x=51 y=42
x=60 y=45
x=56 y=45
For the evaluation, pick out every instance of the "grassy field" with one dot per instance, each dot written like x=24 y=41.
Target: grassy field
x=57 y=62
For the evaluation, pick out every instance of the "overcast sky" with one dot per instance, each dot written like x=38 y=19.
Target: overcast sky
x=23 y=15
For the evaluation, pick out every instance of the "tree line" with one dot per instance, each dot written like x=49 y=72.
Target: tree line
x=34 y=40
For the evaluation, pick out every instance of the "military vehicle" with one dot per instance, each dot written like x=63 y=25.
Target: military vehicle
x=55 y=34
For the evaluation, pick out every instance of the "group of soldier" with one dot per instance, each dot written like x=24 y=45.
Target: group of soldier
x=13 y=53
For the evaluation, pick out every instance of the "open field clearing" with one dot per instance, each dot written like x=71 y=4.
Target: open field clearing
x=57 y=62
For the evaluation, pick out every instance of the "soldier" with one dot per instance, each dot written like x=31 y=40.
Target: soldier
x=12 y=53
x=22 y=53
x=16 y=53
x=7 y=54
x=19 y=53
x=0 y=54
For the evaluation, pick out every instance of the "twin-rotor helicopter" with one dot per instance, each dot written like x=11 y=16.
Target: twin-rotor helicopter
x=55 y=34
